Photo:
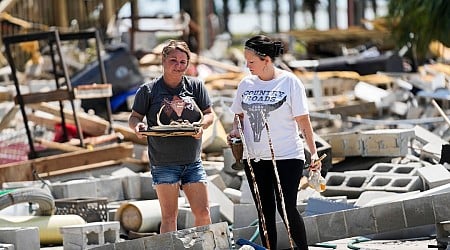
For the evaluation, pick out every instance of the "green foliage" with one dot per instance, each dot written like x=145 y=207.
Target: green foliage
x=420 y=22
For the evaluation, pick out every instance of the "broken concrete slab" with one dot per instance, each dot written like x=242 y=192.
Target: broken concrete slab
x=214 y=236
x=20 y=237
x=434 y=176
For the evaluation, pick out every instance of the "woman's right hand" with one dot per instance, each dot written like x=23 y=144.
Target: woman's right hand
x=233 y=134
x=140 y=127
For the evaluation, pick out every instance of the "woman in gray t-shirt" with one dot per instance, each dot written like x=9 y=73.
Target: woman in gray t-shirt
x=175 y=161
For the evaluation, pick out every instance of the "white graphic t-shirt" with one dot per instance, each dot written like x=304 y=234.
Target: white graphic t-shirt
x=279 y=100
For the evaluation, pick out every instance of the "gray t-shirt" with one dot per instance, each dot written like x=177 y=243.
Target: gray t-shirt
x=178 y=102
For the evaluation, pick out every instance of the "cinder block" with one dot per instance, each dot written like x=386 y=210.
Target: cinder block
x=440 y=206
x=342 y=184
x=74 y=189
x=368 y=197
x=147 y=190
x=231 y=180
x=434 y=176
x=217 y=180
x=22 y=238
x=386 y=142
x=335 y=226
x=186 y=218
x=244 y=215
x=131 y=187
x=389 y=217
x=233 y=194
x=228 y=160
x=391 y=169
x=80 y=237
x=226 y=205
x=386 y=217
x=344 y=143
x=312 y=229
x=246 y=194
x=395 y=183
x=419 y=212
x=360 y=221
x=110 y=187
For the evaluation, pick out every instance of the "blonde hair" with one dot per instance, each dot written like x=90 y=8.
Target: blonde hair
x=176 y=45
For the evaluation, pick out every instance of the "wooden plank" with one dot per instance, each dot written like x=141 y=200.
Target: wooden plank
x=338 y=35
x=90 y=124
x=6 y=96
x=92 y=91
x=50 y=96
x=16 y=171
x=46 y=121
x=23 y=171
x=83 y=157
x=81 y=168
x=57 y=145
x=128 y=134
x=365 y=109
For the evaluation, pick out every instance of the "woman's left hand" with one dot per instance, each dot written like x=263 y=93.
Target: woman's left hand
x=199 y=133
x=316 y=165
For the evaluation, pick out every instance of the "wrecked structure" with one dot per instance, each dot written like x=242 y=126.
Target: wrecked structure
x=385 y=135
x=384 y=170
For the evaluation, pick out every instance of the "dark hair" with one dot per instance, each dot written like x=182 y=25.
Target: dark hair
x=176 y=45
x=264 y=46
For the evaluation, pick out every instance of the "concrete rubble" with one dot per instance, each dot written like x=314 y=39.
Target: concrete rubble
x=387 y=170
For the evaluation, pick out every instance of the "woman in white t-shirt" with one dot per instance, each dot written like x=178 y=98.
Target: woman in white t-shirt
x=276 y=97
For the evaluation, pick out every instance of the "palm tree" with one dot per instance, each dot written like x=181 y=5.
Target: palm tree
x=419 y=22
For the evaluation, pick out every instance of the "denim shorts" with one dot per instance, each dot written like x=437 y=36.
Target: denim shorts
x=182 y=174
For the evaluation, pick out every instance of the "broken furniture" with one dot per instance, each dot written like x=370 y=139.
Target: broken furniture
x=63 y=91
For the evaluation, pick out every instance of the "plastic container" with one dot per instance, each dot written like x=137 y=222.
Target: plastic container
x=316 y=181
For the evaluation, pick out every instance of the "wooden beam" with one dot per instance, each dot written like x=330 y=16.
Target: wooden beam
x=128 y=134
x=90 y=124
x=50 y=96
x=4 y=123
x=24 y=171
x=83 y=157
x=57 y=145
x=80 y=168
x=17 y=171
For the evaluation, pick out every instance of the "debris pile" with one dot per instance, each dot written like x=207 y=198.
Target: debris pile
x=385 y=136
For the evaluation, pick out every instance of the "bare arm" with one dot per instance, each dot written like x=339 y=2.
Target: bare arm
x=304 y=124
x=208 y=119
x=136 y=124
